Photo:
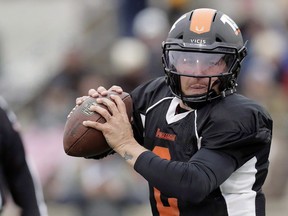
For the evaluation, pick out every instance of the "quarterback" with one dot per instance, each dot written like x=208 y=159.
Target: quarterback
x=202 y=147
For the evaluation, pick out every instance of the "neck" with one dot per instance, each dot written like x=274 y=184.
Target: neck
x=184 y=106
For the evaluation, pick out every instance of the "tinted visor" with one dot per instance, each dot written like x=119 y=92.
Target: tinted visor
x=198 y=63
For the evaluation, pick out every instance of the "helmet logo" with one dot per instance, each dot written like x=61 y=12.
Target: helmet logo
x=201 y=20
x=200 y=30
x=198 y=41
x=226 y=19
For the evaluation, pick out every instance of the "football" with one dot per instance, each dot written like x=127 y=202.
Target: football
x=81 y=141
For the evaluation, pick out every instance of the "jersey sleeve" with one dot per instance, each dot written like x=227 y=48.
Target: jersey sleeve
x=239 y=132
x=189 y=181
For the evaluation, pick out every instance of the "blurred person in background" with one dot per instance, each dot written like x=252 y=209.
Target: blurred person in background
x=202 y=148
x=49 y=106
x=152 y=36
x=16 y=177
x=127 y=10
x=129 y=70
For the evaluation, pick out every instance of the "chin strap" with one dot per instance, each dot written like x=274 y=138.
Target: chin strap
x=228 y=92
x=198 y=105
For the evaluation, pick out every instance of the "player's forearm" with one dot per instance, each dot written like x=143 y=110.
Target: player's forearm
x=189 y=181
x=131 y=151
x=180 y=180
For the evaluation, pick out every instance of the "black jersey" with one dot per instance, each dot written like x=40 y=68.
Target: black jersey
x=15 y=174
x=207 y=162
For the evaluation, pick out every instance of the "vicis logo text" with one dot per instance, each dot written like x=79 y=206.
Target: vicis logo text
x=198 y=41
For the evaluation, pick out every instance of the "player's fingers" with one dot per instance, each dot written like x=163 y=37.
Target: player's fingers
x=109 y=104
x=93 y=93
x=116 y=88
x=119 y=103
x=102 y=111
x=102 y=91
x=93 y=124
x=80 y=100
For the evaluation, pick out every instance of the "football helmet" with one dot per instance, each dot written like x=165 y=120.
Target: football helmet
x=201 y=39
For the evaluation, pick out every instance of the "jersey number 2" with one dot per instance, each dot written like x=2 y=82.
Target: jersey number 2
x=170 y=207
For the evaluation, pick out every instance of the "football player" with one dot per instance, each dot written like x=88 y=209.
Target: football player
x=202 y=147
x=15 y=175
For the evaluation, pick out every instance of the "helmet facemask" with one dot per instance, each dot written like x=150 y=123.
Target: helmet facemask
x=192 y=62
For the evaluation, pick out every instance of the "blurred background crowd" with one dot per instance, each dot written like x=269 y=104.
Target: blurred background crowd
x=54 y=51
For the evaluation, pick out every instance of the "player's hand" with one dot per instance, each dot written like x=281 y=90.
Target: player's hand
x=101 y=91
x=117 y=128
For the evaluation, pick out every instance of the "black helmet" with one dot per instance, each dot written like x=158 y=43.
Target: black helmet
x=204 y=35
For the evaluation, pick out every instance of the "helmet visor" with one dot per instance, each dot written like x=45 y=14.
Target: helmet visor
x=198 y=63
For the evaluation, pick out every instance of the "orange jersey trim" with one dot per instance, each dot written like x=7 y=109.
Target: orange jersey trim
x=172 y=209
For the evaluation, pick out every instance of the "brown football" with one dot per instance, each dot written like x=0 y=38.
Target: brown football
x=81 y=141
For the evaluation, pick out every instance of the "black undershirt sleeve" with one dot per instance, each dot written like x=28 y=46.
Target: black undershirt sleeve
x=189 y=181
